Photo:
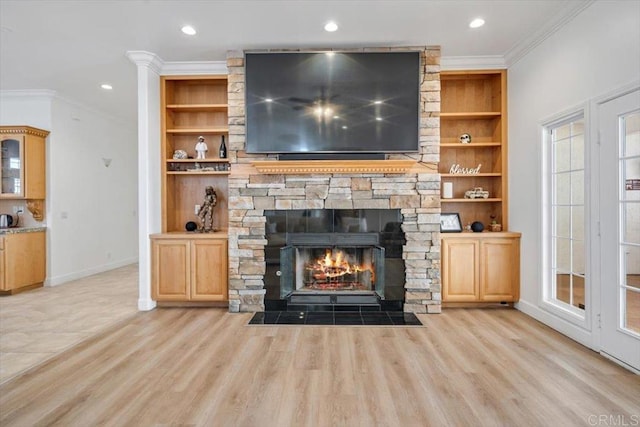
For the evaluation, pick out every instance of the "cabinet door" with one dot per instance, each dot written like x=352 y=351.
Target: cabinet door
x=12 y=167
x=460 y=271
x=34 y=167
x=3 y=270
x=500 y=270
x=24 y=260
x=209 y=270
x=170 y=270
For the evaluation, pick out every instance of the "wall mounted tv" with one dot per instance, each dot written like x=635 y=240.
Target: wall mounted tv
x=332 y=103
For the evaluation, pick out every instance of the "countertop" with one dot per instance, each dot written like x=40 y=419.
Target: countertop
x=17 y=230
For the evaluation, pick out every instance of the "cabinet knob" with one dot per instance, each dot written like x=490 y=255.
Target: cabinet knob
x=278 y=273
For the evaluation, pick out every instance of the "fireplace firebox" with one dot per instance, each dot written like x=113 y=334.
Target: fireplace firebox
x=331 y=257
x=332 y=262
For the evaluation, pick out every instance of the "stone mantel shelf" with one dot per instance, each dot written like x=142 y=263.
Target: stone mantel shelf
x=333 y=166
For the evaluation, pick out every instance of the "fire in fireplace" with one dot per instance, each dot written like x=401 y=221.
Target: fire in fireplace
x=339 y=269
x=327 y=262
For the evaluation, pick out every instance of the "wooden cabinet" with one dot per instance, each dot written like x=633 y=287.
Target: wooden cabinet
x=192 y=266
x=481 y=267
x=189 y=268
x=22 y=261
x=22 y=171
x=475 y=103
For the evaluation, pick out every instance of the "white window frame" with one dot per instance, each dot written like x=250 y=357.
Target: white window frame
x=547 y=300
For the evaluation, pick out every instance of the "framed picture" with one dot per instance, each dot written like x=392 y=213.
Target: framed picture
x=450 y=223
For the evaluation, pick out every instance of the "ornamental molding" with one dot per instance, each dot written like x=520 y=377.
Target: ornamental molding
x=333 y=166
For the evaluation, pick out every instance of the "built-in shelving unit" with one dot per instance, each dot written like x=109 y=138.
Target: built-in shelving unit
x=474 y=102
x=193 y=106
x=477 y=267
x=190 y=266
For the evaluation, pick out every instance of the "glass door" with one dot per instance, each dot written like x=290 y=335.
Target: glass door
x=620 y=227
x=11 y=172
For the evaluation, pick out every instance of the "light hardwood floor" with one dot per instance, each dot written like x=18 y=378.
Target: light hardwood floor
x=206 y=367
x=39 y=324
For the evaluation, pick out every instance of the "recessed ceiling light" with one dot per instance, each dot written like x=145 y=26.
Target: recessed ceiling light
x=331 y=26
x=336 y=117
x=189 y=30
x=268 y=100
x=344 y=127
x=379 y=119
x=106 y=86
x=377 y=102
x=476 y=23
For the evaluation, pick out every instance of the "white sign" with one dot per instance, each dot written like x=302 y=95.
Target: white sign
x=456 y=169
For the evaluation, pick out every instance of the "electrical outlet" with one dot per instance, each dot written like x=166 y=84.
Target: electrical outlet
x=197 y=209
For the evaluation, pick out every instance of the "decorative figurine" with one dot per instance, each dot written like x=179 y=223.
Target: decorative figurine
x=201 y=148
x=206 y=210
x=476 y=193
x=465 y=138
x=179 y=154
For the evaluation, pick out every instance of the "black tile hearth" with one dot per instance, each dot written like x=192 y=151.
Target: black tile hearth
x=342 y=318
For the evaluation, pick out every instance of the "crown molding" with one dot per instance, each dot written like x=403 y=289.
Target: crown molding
x=194 y=68
x=142 y=58
x=563 y=17
x=28 y=93
x=130 y=123
x=488 y=62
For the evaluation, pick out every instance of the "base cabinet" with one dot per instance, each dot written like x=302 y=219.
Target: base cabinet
x=189 y=268
x=22 y=261
x=483 y=267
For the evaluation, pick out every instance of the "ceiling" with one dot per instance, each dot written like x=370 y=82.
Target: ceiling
x=72 y=47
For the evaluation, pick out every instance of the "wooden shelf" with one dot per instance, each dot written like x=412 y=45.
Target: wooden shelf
x=472 y=145
x=481 y=115
x=460 y=175
x=198 y=172
x=198 y=131
x=198 y=107
x=489 y=200
x=209 y=160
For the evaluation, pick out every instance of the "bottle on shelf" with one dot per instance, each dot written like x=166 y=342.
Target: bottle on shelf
x=223 y=149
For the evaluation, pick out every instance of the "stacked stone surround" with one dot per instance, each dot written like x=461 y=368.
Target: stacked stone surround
x=416 y=193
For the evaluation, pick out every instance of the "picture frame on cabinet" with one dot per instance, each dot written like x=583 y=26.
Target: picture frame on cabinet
x=450 y=222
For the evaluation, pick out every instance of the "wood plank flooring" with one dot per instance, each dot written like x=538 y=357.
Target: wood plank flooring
x=206 y=367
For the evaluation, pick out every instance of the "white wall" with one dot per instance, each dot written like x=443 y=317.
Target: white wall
x=91 y=210
x=594 y=54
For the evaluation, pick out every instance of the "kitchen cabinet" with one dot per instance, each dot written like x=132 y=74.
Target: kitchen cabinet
x=481 y=267
x=22 y=171
x=22 y=261
x=189 y=267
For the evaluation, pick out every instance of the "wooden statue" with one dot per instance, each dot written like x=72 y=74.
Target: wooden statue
x=206 y=210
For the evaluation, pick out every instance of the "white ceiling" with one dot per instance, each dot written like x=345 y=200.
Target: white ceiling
x=72 y=47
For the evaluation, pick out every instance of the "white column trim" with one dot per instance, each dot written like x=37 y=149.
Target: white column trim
x=149 y=66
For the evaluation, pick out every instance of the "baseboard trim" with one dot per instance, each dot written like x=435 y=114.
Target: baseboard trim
x=146 y=304
x=59 y=280
x=566 y=328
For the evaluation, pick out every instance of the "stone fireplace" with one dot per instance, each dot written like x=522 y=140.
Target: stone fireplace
x=414 y=192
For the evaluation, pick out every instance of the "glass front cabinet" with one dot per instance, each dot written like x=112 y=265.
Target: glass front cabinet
x=22 y=164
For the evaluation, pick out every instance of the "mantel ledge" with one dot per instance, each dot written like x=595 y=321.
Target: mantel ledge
x=333 y=166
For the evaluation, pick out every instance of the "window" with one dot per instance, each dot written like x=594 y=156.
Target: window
x=566 y=214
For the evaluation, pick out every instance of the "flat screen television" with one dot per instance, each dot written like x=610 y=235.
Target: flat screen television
x=332 y=103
